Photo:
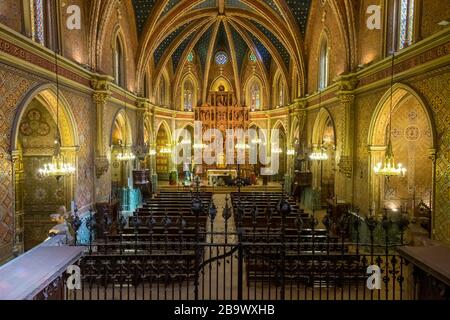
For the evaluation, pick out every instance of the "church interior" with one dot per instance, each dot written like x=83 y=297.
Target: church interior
x=122 y=123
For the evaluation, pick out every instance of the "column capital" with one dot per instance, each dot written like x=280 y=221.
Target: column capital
x=347 y=82
x=101 y=86
x=143 y=104
x=346 y=97
x=100 y=98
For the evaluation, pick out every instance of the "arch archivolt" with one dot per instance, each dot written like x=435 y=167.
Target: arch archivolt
x=121 y=129
x=413 y=137
x=320 y=124
x=262 y=90
x=190 y=76
x=162 y=124
x=66 y=122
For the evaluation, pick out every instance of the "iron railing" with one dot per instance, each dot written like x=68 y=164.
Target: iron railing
x=250 y=252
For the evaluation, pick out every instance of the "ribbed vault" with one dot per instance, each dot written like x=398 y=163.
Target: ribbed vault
x=271 y=29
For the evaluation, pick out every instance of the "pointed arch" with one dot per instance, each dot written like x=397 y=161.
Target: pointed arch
x=221 y=80
x=162 y=89
x=67 y=124
x=323 y=61
x=164 y=125
x=399 y=91
x=279 y=90
x=120 y=57
x=121 y=125
x=254 y=93
x=322 y=120
x=189 y=92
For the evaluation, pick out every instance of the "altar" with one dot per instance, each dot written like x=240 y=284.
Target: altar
x=219 y=177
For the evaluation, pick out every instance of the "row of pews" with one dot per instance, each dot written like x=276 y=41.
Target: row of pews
x=289 y=246
x=166 y=241
x=156 y=243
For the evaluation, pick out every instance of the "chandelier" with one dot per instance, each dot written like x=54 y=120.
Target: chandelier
x=126 y=156
x=57 y=168
x=319 y=156
x=166 y=150
x=388 y=168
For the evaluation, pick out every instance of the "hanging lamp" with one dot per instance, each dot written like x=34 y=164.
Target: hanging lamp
x=388 y=168
x=126 y=155
x=319 y=154
x=58 y=167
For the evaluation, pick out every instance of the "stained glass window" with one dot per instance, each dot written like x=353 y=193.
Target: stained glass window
x=323 y=64
x=119 y=64
x=221 y=58
x=280 y=92
x=188 y=96
x=255 y=102
x=190 y=57
x=38 y=21
x=252 y=57
x=406 y=23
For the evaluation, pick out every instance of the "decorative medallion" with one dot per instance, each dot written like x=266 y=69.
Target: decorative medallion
x=412 y=115
x=190 y=57
x=34 y=125
x=221 y=58
x=396 y=132
x=412 y=133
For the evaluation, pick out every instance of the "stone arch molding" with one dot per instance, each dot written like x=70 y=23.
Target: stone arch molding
x=377 y=127
x=399 y=91
x=163 y=124
x=67 y=127
x=319 y=126
x=124 y=125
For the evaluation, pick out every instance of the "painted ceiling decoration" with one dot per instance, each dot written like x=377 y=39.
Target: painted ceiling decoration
x=170 y=5
x=278 y=45
x=142 y=9
x=267 y=27
x=300 y=10
x=202 y=46
x=166 y=43
x=240 y=48
x=180 y=50
x=262 y=51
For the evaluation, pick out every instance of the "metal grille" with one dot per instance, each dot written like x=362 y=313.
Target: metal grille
x=261 y=246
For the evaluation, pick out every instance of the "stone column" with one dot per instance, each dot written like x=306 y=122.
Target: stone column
x=100 y=97
x=346 y=163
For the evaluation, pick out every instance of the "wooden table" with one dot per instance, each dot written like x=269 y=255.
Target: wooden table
x=431 y=270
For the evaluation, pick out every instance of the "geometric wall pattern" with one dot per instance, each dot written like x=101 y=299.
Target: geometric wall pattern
x=12 y=89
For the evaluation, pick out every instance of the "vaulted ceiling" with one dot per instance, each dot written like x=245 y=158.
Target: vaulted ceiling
x=272 y=29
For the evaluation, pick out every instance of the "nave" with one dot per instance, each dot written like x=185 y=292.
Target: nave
x=238 y=246
x=224 y=150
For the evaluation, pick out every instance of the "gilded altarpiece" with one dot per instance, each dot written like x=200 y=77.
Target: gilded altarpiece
x=223 y=117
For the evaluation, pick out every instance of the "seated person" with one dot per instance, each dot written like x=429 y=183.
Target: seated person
x=61 y=227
